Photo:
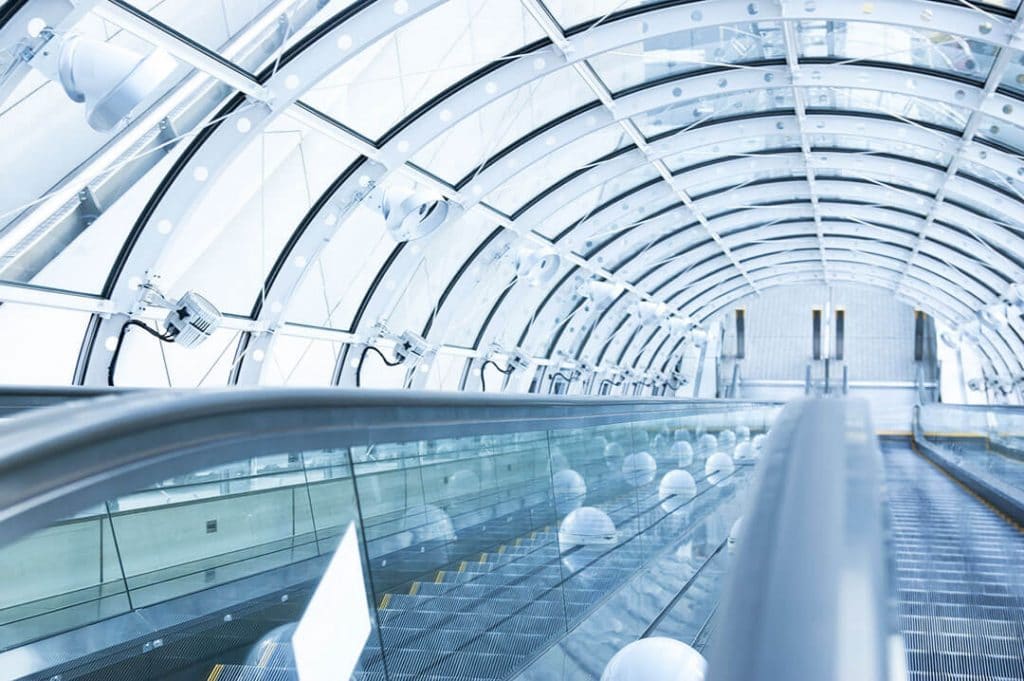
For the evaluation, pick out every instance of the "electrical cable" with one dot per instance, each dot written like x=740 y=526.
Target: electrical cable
x=362 y=358
x=165 y=337
x=483 y=379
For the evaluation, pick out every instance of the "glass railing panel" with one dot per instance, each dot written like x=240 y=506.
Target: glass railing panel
x=984 y=441
x=60 y=578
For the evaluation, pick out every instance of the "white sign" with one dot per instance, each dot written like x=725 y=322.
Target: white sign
x=332 y=632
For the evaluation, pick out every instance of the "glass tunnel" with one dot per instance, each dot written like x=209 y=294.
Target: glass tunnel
x=534 y=340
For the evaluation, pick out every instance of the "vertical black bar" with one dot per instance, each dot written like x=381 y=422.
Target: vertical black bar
x=816 y=331
x=918 y=336
x=840 y=333
x=741 y=335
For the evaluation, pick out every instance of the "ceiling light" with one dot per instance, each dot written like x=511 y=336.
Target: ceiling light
x=112 y=81
x=537 y=266
x=410 y=214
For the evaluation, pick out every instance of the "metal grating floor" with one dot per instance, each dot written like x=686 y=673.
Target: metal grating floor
x=959 y=576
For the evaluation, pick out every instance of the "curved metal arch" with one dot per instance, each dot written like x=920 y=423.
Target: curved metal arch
x=784 y=190
x=846 y=237
x=792 y=259
x=670 y=250
x=289 y=68
x=691 y=300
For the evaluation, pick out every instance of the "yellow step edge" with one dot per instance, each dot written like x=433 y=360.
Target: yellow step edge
x=385 y=601
x=483 y=558
x=215 y=672
x=462 y=566
x=519 y=541
x=501 y=549
x=414 y=589
x=440 y=577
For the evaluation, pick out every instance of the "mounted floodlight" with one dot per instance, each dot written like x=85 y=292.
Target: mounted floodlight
x=519 y=359
x=950 y=339
x=599 y=292
x=679 y=324
x=975 y=384
x=410 y=214
x=537 y=266
x=409 y=346
x=192 y=321
x=1015 y=295
x=109 y=79
x=971 y=332
x=995 y=316
x=699 y=337
x=650 y=312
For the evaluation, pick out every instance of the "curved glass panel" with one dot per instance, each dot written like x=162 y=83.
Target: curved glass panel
x=692 y=112
x=390 y=79
x=250 y=213
x=473 y=140
x=860 y=40
x=688 y=51
x=580 y=154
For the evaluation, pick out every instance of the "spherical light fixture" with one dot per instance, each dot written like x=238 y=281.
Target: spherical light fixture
x=676 y=488
x=683 y=453
x=586 y=526
x=569 y=489
x=656 y=659
x=718 y=467
x=639 y=469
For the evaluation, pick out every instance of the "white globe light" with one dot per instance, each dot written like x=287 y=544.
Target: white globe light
x=718 y=467
x=742 y=433
x=569 y=490
x=683 y=453
x=744 y=451
x=683 y=435
x=726 y=440
x=656 y=659
x=758 y=444
x=639 y=469
x=707 y=444
x=586 y=526
x=614 y=455
x=676 y=488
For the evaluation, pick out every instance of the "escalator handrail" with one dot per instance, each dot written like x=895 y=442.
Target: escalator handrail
x=59 y=460
x=807 y=593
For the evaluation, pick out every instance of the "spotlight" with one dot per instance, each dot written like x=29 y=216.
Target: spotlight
x=699 y=337
x=649 y=312
x=679 y=324
x=409 y=346
x=110 y=80
x=537 y=266
x=410 y=214
x=950 y=339
x=995 y=316
x=599 y=292
x=192 y=321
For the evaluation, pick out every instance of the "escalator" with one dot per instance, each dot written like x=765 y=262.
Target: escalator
x=179 y=537
x=959 y=583
x=203 y=571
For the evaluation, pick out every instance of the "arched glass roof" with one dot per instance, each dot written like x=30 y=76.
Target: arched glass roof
x=689 y=154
